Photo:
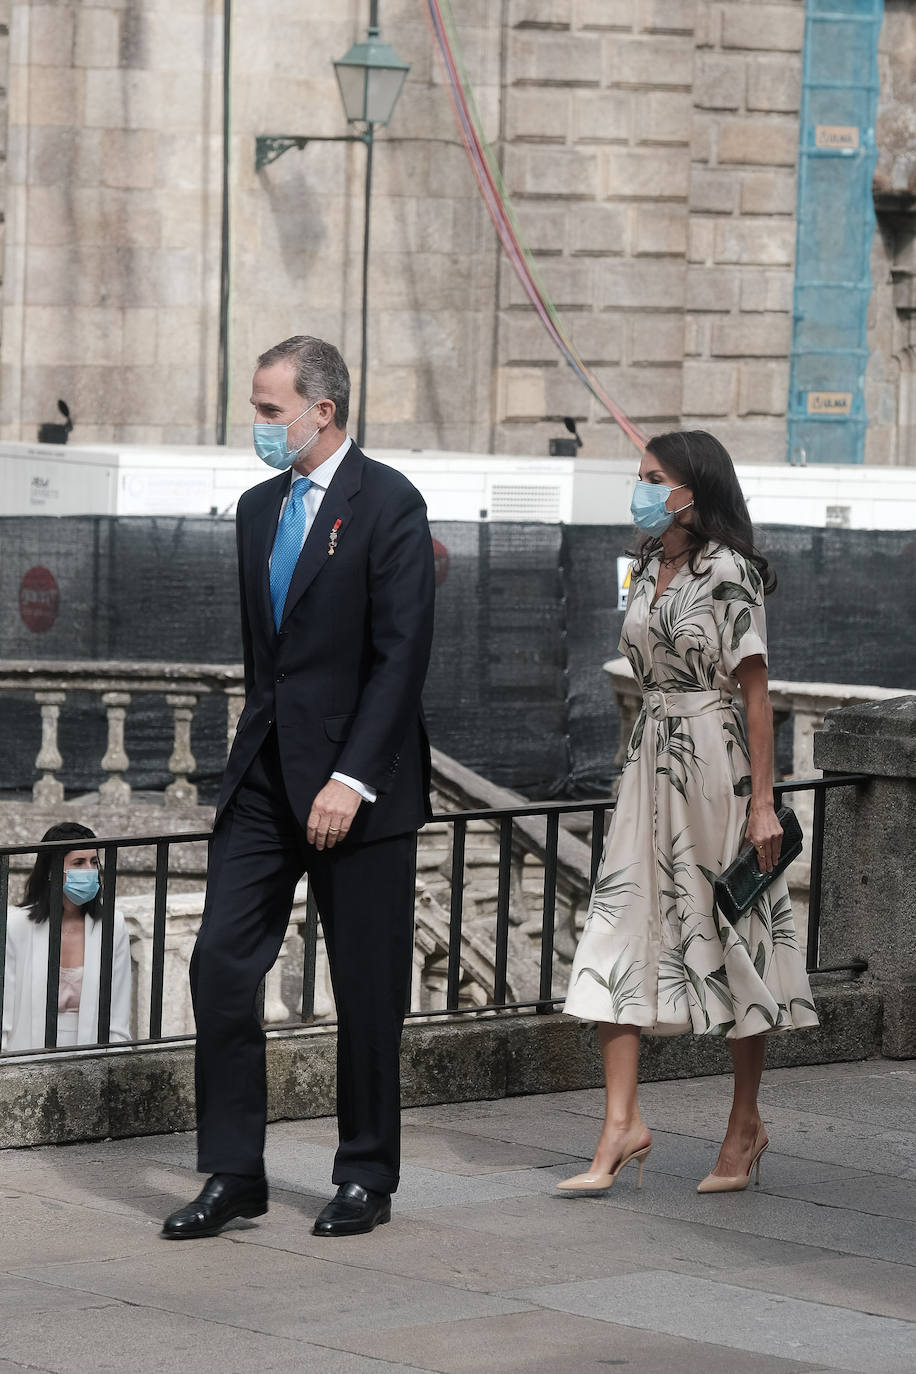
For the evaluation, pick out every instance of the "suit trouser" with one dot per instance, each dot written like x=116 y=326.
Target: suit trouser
x=364 y=895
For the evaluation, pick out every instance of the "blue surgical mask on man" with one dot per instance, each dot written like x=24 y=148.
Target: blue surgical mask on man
x=649 y=507
x=271 y=442
x=81 y=885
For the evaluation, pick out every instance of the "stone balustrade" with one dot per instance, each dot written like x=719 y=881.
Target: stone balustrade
x=117 y=809
x=116 y=684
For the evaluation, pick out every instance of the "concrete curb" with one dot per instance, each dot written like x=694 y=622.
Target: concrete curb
x=146 y=1090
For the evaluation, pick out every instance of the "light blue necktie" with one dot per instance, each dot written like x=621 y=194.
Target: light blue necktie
x=287 y=547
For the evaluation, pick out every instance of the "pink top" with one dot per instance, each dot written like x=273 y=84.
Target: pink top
x=70 y=989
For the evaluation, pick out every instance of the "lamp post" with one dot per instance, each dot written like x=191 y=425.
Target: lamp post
x=371 y=76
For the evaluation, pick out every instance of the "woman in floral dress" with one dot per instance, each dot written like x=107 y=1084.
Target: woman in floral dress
x=656 y=954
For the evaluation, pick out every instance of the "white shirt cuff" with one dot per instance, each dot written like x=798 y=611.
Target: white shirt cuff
x=368 y=794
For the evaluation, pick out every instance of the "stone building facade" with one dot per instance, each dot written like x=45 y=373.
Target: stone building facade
x=650 y=147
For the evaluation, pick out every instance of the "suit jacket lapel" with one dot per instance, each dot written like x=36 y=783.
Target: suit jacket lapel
x=334 y=507
x=264 y=531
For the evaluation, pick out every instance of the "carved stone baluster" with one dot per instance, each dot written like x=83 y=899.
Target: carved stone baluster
x=115 y=791
x=182 y=792
x=235 y=700
x=47 y=791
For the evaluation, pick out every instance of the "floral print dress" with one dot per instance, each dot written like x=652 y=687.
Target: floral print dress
x=655 y=951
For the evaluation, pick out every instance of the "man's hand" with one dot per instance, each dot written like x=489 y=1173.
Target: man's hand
x=332 y=814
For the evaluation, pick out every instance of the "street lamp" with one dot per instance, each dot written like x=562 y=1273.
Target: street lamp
x=370 y=77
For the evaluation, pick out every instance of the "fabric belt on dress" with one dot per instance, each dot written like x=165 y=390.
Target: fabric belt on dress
x=660 y=705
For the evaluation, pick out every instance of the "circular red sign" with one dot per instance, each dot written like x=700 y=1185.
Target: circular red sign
x=39 y=599
x=440 y=554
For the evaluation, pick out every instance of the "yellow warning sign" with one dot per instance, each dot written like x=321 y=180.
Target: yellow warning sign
x=624 y=573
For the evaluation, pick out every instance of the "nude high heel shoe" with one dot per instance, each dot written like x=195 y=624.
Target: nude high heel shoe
x=734 y=1183
x=599 y=1183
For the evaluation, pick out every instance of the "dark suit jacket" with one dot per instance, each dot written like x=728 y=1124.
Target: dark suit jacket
x=342 y=678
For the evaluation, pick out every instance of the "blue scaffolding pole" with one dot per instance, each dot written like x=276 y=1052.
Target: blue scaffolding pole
x=836 y=222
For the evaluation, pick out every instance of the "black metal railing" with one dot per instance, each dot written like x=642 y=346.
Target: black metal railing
x=820 y=787
x=503 y=820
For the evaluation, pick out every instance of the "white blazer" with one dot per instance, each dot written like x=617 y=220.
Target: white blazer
x=26 y=982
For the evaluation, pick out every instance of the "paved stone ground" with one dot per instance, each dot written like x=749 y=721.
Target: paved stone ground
x=484 y=1267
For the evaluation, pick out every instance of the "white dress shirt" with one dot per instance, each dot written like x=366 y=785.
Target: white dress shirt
x=320 y=480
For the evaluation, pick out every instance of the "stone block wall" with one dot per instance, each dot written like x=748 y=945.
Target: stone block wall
x=649 y=145
x=596 y=153
x=747 y=94
x=112 y=243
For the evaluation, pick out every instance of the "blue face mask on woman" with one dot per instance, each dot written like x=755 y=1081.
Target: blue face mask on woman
x=649 y=506
x=270 y=442
x=81 y=885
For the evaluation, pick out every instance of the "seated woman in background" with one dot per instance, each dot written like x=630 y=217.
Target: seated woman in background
x=26 y=982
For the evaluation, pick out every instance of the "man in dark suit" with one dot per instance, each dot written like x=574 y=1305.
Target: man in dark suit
x=328 y=775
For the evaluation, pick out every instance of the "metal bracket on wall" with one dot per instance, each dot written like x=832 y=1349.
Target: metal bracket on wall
x=268 y=147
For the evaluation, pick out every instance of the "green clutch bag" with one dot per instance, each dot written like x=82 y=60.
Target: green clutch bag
x=742 y=882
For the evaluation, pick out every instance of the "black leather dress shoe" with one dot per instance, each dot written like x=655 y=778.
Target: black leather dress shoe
x=222 y=1198
x=353 y=1211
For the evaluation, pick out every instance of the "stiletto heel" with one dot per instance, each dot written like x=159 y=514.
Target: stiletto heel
x=599 y=1183
x=734 y=1183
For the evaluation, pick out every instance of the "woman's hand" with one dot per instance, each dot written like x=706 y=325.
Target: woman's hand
x=765 y=833
x=763 y=829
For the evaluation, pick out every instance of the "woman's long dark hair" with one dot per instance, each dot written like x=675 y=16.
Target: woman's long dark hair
x=37 y=898
x=719 y=513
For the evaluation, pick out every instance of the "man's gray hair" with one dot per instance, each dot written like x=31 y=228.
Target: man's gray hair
x=320 y=371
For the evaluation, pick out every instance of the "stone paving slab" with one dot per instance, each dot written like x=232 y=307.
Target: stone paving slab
x=484 y=1266
x=740 y=1318
x=116 y=1336
x=541 y=1343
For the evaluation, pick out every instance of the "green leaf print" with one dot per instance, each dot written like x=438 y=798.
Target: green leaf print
x=682 y=755
x=640 y=591
x=609 y=889
x=673 y=778
x=690 y=671
x=760 y=960
x=782 y=925
x=672 y=978
x=623 y=992
x=765 y=1012
x=742 y=625
x=741 y=786
x=721 y=1029
x=734 y=726
x=696 y=933
x=636 y=737
x=708 y=874
x=677 y=616
x=803 y=1002
x=717 y=983
x=675 y=864
x=634 y=654
x=697 y=985
x=731 y=591
x=752 y=573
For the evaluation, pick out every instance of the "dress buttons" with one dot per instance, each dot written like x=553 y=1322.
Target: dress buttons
x=281 y=677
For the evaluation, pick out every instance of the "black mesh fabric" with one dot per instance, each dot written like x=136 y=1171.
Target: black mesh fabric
x=526 y=615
